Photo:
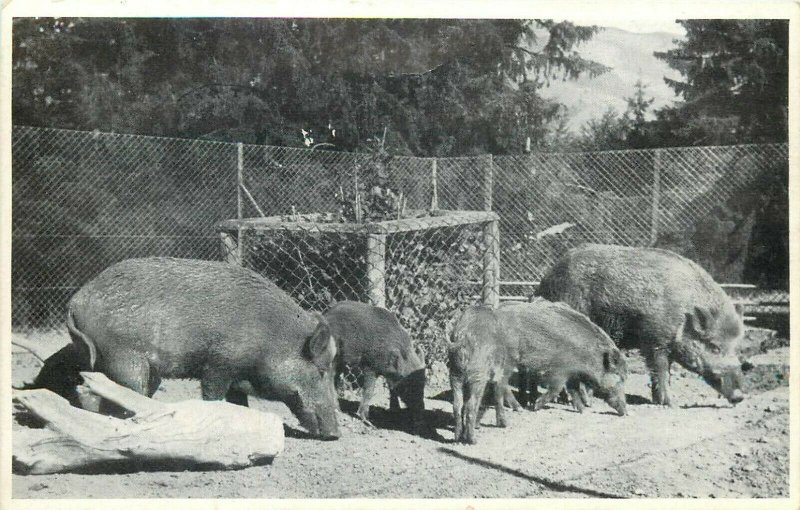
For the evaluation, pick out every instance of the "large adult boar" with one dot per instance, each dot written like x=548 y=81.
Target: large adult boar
x=660 y=302
x=144 y=319
x=561 y=347
x=372 y=339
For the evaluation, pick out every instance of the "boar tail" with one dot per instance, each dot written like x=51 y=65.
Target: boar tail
x=79 y=337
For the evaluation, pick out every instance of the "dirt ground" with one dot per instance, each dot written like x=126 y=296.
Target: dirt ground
x=703 y=447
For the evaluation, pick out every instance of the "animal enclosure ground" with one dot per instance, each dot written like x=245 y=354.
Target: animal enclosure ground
x=703 y=447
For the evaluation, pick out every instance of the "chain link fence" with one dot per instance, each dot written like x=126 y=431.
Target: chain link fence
x=84 y=200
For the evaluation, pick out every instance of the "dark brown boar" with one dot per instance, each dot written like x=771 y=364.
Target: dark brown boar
x=658 y=301
x=372 y=339
x=144 y=319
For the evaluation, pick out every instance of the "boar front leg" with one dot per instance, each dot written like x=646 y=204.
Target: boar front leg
x=577 y=394
x=554 y=387
x=658 y=362
x=500 y=391
x=394 y=401
x=368 y=392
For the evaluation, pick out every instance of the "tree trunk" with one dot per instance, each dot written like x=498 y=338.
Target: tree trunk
x=194 y=433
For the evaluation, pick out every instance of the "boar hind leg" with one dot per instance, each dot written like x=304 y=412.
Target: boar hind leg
x=131 y=369
x=216 y=386
x=458 y=406
x=658 y=363
x=366 y=397
x=471 y=409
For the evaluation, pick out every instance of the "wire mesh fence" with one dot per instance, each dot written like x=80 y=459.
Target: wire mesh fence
x=84 y=200
x=551 y=202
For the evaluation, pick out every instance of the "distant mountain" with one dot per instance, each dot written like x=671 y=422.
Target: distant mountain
x=631 y=57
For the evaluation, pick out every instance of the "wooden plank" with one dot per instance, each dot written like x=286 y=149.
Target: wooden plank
x=444 y=218
x=376 y=269
x=491 y=265
x=229 y=244
x=737 y=286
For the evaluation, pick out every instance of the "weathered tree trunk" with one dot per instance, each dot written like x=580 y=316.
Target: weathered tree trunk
x=193 y=433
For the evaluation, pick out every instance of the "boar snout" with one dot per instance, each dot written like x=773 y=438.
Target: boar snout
x=728 y=382
x=736 y=396
x=320 y=423
x=618 y=404
x=616 y=400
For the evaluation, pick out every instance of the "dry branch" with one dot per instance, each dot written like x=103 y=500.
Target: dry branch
x=189 y=434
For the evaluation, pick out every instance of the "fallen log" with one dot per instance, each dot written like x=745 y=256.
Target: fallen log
x=188 y=434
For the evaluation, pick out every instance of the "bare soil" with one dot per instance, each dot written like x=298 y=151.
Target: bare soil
x=702 y=447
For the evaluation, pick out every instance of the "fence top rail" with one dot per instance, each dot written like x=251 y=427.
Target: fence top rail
x=321 y=222
x=132 y=136
x=363 y=154
x=651 y=150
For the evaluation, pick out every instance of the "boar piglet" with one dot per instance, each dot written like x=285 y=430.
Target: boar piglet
x=655 y=300
x=562 y=347
x=478 y=354
x=144 y=319
x=372 y=339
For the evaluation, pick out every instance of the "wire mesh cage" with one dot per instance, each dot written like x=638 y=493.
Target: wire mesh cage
x=424 y=267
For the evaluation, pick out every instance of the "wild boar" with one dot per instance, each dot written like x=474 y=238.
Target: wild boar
x=144 y=319
x=560 y=347
x=372 y=339
x=656 y=300
x=478 y=354
x=556 y=344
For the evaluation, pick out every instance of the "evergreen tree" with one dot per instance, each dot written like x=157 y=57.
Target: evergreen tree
x=735 y=83
x=440 y=86
x=638 y=104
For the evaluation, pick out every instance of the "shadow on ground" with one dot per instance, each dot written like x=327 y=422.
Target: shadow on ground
x=549 y=484
x=401 y=420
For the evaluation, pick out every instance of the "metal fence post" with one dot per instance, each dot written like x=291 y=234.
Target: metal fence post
x=656 y=196
x=491 y=264
x=239 y=179
x=435 y=184
x=488 y=179
x=376 y=269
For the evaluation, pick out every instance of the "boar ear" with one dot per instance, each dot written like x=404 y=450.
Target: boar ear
x=700 y=319
x=320 y=347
